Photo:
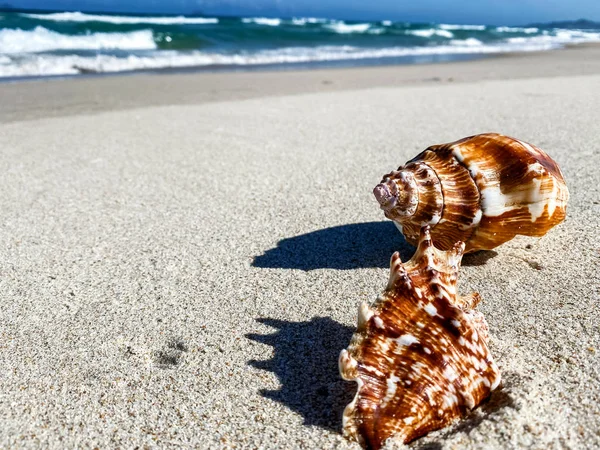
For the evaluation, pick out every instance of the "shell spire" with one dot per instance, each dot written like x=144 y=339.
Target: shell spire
x=419 y=354
x=482 y=190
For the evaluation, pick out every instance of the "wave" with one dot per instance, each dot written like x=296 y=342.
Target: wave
x=561 y=37
x=82 y=17
x=469 y=42
x=300 y=21
x=49 y=64
x=529 y=30
x=446 y=26
x=431 y=32
x=262 y=21
x=344 y=28
x=41 y=39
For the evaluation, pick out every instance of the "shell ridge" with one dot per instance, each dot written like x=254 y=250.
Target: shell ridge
x=459 y=161
x=441 y=190
x=452 y=229
x=469 y=352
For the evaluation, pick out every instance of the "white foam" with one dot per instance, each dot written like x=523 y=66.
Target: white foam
x=41 y=39
x=559 y=38
x=469 y=42
x=344 y=28
x=446 y=26
x=81 y=17
x=262 y=21
x=529 y=30
x=431 y=32
x=300 y=21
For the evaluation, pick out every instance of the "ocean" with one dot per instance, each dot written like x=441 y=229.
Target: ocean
x=71 y=43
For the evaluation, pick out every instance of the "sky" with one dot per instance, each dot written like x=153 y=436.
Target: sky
x=493 y=12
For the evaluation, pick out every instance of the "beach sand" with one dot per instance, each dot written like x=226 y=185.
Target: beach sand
x=182 y=255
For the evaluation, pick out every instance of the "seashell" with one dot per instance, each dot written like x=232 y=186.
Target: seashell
x=482 y=190
x=419 y=354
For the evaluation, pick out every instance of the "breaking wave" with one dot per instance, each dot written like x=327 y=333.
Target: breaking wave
x=431 y=32
x=262 y=21
x=41 y=39
x=119 y=20
x=45 y=64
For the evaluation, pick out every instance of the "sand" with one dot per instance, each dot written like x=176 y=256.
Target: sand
x=185 y=275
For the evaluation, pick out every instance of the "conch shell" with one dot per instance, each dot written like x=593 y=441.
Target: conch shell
x=482 y=190
x=419 y=354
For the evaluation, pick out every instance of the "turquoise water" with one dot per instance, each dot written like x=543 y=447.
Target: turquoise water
x=73 y=42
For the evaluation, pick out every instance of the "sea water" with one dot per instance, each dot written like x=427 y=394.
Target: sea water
x=70 y=43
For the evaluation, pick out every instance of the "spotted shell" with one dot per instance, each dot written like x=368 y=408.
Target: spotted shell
x=482 y=190
x=419 y=354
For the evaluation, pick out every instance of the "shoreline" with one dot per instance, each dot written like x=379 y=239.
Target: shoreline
x=65 y=96
x=261 y=68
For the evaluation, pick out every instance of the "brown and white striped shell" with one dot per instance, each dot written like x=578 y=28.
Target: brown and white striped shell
x=482 y=190
x=419 y=354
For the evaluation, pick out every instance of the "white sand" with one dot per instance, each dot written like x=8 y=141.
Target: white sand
x=185 y=276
